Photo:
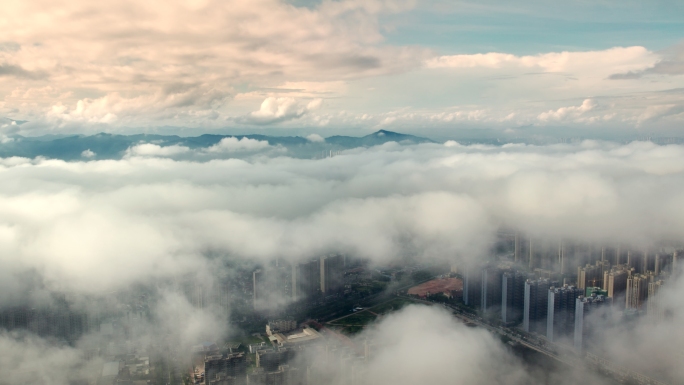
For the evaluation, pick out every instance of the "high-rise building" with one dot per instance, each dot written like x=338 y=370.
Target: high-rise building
x=258 y=286
x=637 y=290
x=222 y=296
x=491 y=289
x=332 y=272
x=655 y=306
x=306 y=279
x=561 y=257
x=472 y=286
x=615 y=283
x=271 y=285
x=588 y=276
x=531 y=254
x=560 y=319
x=58 y=321
x=512 y=297
x=536 y=305
x=583 y=327
x=644 y=262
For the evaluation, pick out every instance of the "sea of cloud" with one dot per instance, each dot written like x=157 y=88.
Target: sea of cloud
x=95 y=227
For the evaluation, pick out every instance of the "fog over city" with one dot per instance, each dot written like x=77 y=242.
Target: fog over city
x=98 y=231
x=344 y=192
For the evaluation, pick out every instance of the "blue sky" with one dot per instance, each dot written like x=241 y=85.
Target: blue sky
x=530 y=27
x=327 y=67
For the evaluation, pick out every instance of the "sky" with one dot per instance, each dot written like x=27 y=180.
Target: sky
x=436 y=68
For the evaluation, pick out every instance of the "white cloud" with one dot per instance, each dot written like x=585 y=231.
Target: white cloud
x=101 y=226
x=280 y=109
x=150 y=149
x=606 y=61
x=315 y=138
x=457 y=354
x=232 y=144
x=572 y=112
x=120 y=219
x=88 y=154
x=129 y=62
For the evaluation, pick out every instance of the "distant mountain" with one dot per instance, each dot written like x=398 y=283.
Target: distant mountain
x=375 y=139
x=109 y=146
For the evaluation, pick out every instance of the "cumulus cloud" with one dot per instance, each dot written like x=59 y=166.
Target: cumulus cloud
x=114 y=222
x=315 y=138
x=232 y=144
x=151 y=149
x=568 y=112
x=118 y=71
x=281 y=109
x=672 y=63
x=88 y=153
x=472 y=356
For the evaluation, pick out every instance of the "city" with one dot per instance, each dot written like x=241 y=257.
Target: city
x=302 y=323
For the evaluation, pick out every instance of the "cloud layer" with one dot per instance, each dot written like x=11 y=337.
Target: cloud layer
x=101 y=224
x=95 y=229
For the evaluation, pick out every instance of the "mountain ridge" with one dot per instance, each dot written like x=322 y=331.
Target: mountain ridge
x=114 y=146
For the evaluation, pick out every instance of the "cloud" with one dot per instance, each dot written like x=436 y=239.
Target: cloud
x=232 y=144
x=657 y=112
x=88 y=154
x=572 y=112
x=107 y=223
x=315 y=138
x=9 y=46
x=456 y=352
x=150 y=149
x=19 y=72
x=622 y=58
x=59 y=365
x=274 y=110
x=671 y=64
x=99 y=230
x=126 y=59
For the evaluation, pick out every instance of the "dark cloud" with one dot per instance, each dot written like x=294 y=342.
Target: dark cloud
x=19 y=72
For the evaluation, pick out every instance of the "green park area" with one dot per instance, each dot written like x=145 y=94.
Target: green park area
x=356 y=322
x=392 y=305
x=361 y=318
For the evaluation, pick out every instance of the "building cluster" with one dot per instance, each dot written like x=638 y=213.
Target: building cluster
x=312 y=279
x=566 y=293
x=57 y=322
x=296 y=356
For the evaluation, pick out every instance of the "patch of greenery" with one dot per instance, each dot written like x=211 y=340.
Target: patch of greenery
x=353 y=329
x=360 y=318
x=421 y=275
x=390 y=306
